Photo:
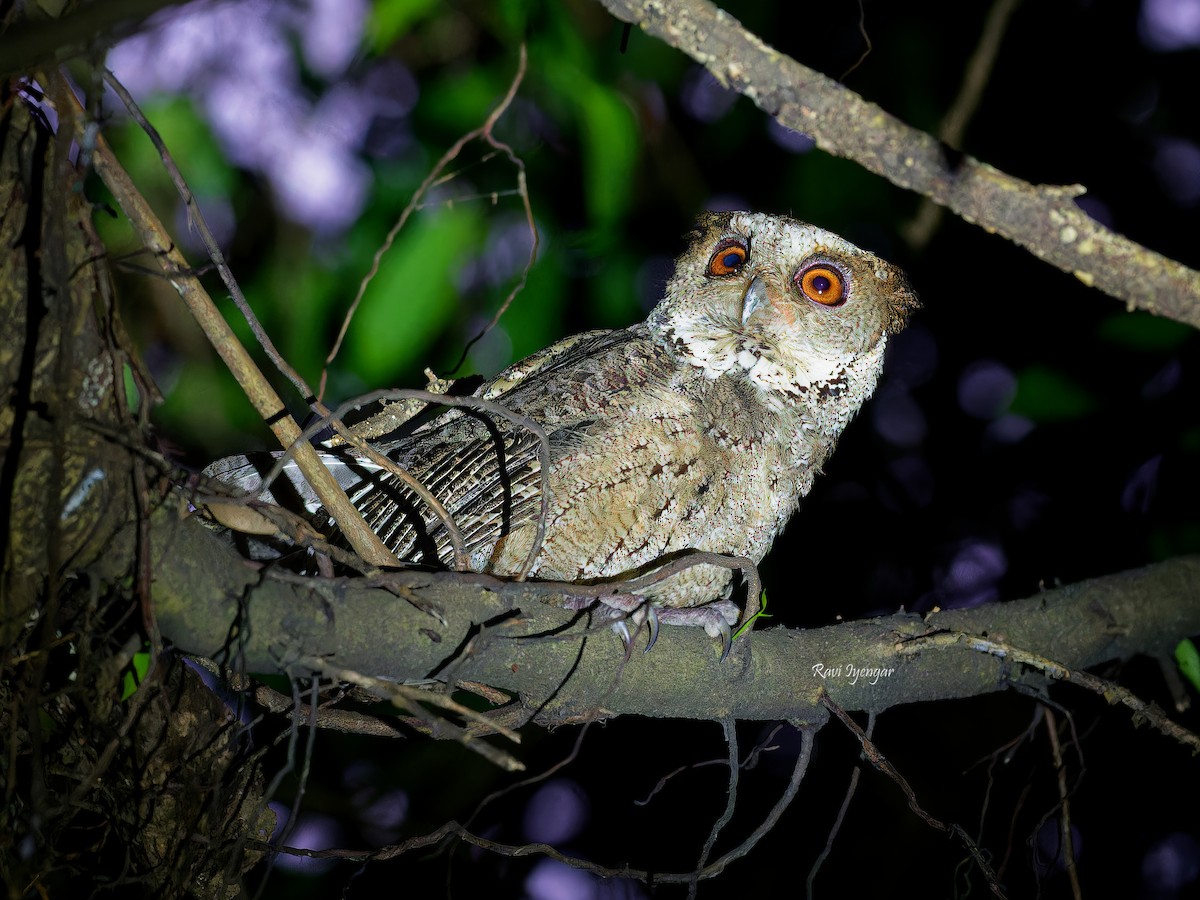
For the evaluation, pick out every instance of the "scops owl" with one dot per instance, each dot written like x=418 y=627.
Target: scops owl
x=700 y=428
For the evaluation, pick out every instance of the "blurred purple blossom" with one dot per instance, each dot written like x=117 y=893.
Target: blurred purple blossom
x=1177 y=165
x=897 y=418
x=972 y=575
x=1139 y=490
x=1163 y=381
x=554 y=880
x=705 y=98
x=1167 y=25
x=1048 y=850
x=556 y=813
x=789 y=140
x=986 y=388
x=235 y=59
x=912 y=356
x=381 y=820
x=506 y=251
x=1171 y=865
x=313 y=831
x=331 y=34
x=1008 y=429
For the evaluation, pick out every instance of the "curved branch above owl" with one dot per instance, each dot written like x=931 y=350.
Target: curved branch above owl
x=1043 y=219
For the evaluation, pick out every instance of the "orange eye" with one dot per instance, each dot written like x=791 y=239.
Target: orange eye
x=728 y=259
x=822 y=284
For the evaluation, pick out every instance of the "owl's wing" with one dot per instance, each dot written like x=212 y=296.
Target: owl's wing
x=482 y=468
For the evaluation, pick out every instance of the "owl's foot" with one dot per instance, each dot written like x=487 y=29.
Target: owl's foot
x=645 y=612
x=715 y=618
x=620 y=610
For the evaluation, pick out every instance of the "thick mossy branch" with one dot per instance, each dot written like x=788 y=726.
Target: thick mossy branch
x=459 y=627
x=1043 y=219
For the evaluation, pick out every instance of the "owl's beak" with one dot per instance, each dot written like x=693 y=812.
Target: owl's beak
x=755 y=298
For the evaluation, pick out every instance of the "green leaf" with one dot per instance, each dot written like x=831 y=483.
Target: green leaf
x=534 y=320
x=461 y=101
x=1046 y=395
x=1188 y=659
x=761 y=614
x=392 y=18
x=133 y=397
x=136 y=674
x=204 y=401
x=193 y=147
x=610 y=151
x=413 y=295
x=616 y=294
x=1143 y=331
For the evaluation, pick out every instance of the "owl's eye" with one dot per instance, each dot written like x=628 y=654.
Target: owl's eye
x=822 y=283
x=728 y=258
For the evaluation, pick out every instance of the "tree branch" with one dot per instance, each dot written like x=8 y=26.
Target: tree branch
x=463 y=627
x=1043 y=219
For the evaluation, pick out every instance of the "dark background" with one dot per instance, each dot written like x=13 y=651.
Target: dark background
x=1028 y=430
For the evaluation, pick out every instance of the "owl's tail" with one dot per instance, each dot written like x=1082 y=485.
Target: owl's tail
x=288 y=488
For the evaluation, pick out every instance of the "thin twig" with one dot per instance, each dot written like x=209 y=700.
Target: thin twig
x=862 y=29
x=454 y=829
x=1064 y=796
x=1005 y=752
x=785 y=800
x=1109 y=690
x=484 y=131
x=881 y=762
x=411 y=699
x=729 y=727
x=851 y=788
x=293 y=736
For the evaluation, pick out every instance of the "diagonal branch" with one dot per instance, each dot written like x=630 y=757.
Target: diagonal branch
x=252 y=381
x=1041 y=218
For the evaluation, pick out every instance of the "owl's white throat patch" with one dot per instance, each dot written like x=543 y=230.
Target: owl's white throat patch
x=723 y=348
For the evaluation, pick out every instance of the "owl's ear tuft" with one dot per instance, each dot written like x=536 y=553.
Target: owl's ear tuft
x=706 y=224
x=902 y=302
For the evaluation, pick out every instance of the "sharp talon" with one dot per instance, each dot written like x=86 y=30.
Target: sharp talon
x=727 y=640
x=622 y=631
x=652 y=621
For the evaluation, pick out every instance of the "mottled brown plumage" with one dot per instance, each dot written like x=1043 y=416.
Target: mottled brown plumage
x=700 y=428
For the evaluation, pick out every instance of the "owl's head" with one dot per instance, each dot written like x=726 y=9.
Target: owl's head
x=792 y=307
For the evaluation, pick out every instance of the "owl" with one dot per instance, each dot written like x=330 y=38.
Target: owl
x=698 y=429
